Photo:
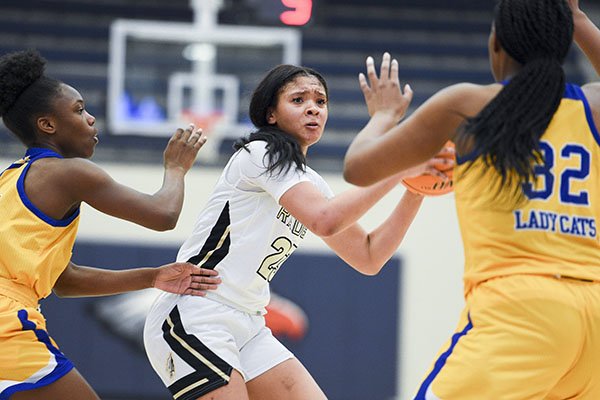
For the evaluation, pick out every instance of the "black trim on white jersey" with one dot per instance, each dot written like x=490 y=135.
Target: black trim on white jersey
x=217 y=244
x=211 y=372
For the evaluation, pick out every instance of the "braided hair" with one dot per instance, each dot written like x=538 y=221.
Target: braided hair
x=283 y=149
x=537 y=34
x=26 y=93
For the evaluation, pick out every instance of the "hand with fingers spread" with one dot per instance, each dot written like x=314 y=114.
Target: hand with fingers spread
x=186 y=278
x=183 y=147
x=383 y=93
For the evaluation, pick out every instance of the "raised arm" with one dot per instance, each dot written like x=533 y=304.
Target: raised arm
x=179 y=278
x=383 y=148
x=327 y=217
x=586 y=35
x=63 y=184
x=367 y=252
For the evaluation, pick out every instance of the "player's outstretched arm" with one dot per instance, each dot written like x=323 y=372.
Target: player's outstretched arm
x=326 y=217
x=586 y=35
x=179 y=278
x=82 y=180
x=385 y=147
x=367 y=252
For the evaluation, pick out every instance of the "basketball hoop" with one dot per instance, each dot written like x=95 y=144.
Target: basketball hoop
x=212 y=125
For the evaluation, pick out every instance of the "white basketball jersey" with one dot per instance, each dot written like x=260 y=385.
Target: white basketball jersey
x=243 y=232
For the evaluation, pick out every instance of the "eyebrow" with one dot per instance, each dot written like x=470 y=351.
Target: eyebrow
x=320 y=92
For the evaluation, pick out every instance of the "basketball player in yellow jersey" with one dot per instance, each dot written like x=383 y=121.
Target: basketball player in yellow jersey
x=40 y=196
x=527 y=189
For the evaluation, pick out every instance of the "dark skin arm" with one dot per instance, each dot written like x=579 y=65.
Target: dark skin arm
x=58 y=186
x=587 y=37
x=179 y=278
x=416 y=138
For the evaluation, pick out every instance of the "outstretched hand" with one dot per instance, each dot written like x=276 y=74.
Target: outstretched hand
x=182 y=149
x=186 y=278
x=383 y=93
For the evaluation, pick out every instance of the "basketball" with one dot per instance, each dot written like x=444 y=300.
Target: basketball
x=430 y=185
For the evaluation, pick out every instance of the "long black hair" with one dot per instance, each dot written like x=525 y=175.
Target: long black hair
x=26 y=93
x=537 y=34
x=283 y=150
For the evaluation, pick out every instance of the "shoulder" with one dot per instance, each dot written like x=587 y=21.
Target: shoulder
x=461 y=99
x=468 y=97
x=75 y=172
x=592 y=93
x=254 y=152
x=257 y=146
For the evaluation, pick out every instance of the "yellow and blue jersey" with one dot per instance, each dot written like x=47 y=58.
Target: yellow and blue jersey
x=555 y=231
x=532 y=272
x=34 y=248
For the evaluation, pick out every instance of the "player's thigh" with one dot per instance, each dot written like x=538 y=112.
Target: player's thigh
x=234 y=390
x=72 y=386
x=288 y=380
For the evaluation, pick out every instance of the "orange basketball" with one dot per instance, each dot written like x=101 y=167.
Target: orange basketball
x=430 y=185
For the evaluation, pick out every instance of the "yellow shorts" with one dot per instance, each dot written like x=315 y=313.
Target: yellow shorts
x=522 y=337
x=29 y=358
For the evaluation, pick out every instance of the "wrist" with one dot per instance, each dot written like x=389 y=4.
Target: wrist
x=150 y=277
x=579 y=18
x=175 y=169
x=387 y=117
x=413 y=196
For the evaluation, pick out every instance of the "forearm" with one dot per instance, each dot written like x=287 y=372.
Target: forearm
x=81 y=281
x=368 y=252
x=384 y=241
x=348 y=207
x=169 y=198
x=587 y=37
x=357 y=163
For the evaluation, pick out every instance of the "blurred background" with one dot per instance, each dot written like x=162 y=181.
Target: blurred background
x=146 y=67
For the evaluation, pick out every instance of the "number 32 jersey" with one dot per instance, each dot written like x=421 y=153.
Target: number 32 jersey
x=554 y=232
x=243 y=232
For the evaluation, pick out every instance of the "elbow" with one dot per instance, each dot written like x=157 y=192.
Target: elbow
x=369 y=269
x=63 y=290
x=165 y=222
x=326 y=224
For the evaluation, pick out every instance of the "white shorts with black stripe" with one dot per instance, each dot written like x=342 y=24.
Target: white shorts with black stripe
x=194 y=344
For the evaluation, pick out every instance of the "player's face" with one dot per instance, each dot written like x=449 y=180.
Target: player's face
x=301 y=110
x=75 y=133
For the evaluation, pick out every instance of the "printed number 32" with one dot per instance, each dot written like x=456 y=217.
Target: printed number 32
x=566 y=176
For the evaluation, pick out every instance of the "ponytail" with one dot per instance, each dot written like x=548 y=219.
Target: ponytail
x=506 y=133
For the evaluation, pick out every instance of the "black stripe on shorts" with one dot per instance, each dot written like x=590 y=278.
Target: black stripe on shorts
x=211 y=372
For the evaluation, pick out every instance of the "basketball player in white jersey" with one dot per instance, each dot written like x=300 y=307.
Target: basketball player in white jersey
x=264 y=203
